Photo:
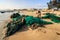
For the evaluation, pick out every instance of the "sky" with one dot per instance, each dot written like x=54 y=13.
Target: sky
x=21 y=4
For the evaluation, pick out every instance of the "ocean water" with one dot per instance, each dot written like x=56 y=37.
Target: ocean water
x=3 y=18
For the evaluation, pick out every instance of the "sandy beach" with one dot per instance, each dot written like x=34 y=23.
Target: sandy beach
x=29 y=19
x=50 y=32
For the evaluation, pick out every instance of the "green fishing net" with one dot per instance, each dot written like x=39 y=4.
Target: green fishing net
x=53 y=17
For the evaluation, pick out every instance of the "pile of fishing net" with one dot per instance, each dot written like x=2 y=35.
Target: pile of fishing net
x=31 y=20
x=17 y=24
x=16 y=16
x=53 y=17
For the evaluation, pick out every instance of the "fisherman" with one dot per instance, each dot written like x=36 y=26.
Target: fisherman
x=39 y=14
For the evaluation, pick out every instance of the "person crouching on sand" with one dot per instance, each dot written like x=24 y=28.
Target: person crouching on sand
x=39 y=14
